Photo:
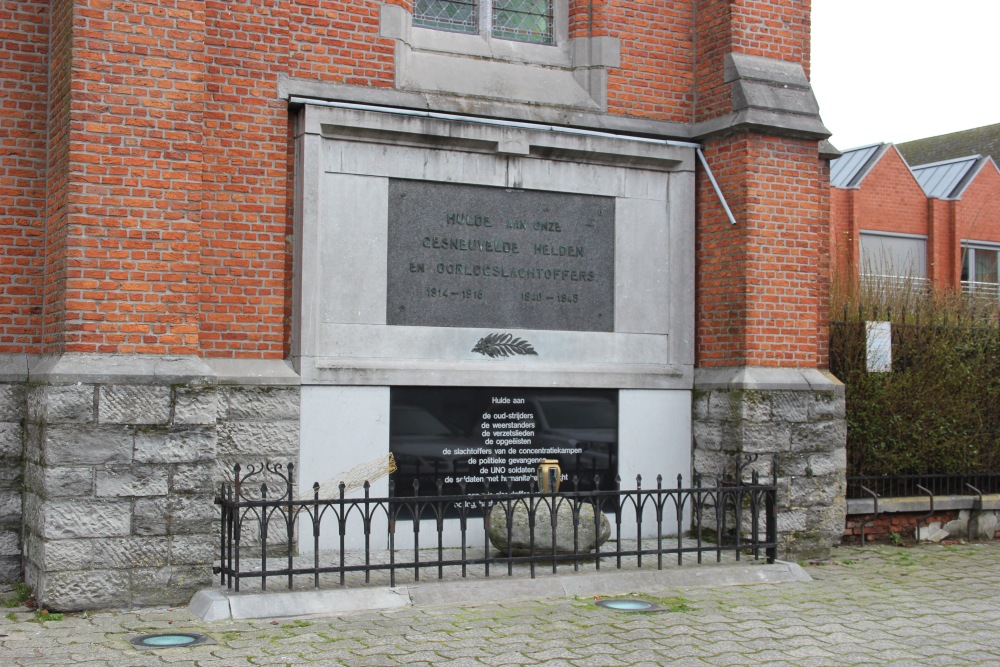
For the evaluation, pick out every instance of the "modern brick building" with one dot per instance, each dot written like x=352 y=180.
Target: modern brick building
x=935 y=224
x=207 y=257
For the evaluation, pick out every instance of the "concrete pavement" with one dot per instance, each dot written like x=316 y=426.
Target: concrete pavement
x=927 y=605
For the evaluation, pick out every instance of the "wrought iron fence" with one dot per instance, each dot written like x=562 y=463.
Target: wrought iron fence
x=261 y=516
x=897 y=486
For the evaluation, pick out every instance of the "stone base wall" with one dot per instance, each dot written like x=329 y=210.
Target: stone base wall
x=12 y=408
x=120 y=474
x=795 y=419
x=906 y=527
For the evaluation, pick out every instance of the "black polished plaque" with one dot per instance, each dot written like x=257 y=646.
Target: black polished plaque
x=497 y=436
x=485 y=257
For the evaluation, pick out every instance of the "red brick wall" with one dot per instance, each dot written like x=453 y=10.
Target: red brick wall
x=890 y=199
x=943 y=265
x=245 y=223
x=167 y=212
x=58 y=175
x=335 y=41
x=759 y=289
x=655 y=77
x=772 y=28
x=978 y=212
x=24 y=36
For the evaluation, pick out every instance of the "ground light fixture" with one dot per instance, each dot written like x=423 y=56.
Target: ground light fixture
x=170 y=640
x=628 y=604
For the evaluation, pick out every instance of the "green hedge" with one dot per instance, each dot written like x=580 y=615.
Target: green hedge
x=938 y=410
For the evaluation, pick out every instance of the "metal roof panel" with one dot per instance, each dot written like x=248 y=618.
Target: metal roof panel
x=847 y=170
x=944 y=180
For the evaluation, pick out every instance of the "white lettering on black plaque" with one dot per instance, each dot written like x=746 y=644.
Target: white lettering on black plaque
x=474 y=256
x=474 y=438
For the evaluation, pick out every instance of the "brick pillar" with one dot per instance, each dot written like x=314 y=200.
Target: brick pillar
x=165 y=256
x=761 y=386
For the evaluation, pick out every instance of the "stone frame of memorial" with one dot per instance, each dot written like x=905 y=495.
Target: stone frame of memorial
x=353 y=261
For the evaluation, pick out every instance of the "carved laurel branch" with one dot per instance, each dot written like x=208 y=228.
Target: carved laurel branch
x=502 y=345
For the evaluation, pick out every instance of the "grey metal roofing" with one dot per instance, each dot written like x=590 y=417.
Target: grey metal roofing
x=848 y=170
x=948 y=178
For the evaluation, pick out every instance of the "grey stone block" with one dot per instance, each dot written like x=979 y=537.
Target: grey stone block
x=10 y=505
x=828 y=405
x=10 y=569
x=11 y=442
x=752 y=406
x=33 y=442
x=821 y=464
x=810 y=491
x=175 y=445
x=132 y=552
x=255 y=442
x=12 y=402
x=196 y=478
x=150 y=516
x=63 y=519
x=985 y=525
x=792 y=521
x=69 y=404
x=192 y=515
x=791 y=406
x=766 y=438
x=715 y=436
x=262 y=403
x=723 y=406
x=131 y=481
x=63 y=554
x=825 y=436
x=130 y=404
x=91 y=445
x=35 y=403
x=699 y=405
x=59 y=482
x=711 y=465
x=194 y=549
x=173 y=585
x=174 y=515
x=197 y=405
x=75 y=590
x=10 y=543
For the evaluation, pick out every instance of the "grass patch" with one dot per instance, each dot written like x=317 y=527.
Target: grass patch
x=45 y=615
x=22 y=593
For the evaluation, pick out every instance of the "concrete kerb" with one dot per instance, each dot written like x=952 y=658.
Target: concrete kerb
x=219 y=604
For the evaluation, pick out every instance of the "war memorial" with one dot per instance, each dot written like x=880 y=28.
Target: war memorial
x=474 y=235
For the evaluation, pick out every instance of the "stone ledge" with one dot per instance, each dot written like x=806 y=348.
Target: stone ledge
x=921 y=504
x=766 y=379
x=74 y=368
x=219 y=604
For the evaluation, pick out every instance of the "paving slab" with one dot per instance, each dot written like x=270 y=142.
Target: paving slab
x=927 y=605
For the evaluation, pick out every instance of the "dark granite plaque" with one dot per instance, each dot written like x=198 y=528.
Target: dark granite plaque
x=479 y=435
x=474 y=256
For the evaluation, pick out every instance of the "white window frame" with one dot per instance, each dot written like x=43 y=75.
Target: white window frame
x=969 y=249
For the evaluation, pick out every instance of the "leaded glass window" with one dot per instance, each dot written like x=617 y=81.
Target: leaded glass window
x=454 y=15
x=521 y=20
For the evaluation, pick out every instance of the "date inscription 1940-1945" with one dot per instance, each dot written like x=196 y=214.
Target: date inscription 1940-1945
x=474 y=256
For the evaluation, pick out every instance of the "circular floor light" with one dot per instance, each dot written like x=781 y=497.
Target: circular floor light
x=628 y=605
x=170 y=639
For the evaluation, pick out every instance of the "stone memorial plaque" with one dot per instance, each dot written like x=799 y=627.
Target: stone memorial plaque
x=477 y=435
x=486 y=257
